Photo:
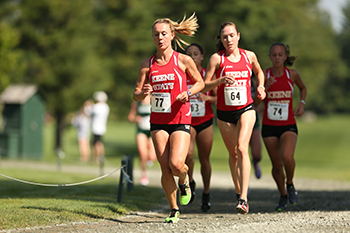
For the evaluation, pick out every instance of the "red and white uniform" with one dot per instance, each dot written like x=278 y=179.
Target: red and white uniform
x=238 y=95
x=279 y=100
x=168 y=81
x=201 y=110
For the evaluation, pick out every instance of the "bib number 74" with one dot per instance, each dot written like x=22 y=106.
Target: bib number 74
x=277 y=111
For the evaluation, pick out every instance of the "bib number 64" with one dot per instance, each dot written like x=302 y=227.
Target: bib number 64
x=235 y=96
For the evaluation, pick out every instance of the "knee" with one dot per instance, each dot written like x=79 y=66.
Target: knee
x=233 y=158
x=256 y=155
x=189 y=162
x=205 y=162
x=256 y=158
x=277 y=169
x=242 y=150
x=288 y=159
x=166 y=171
x=176 y=168
x=189 y=157
x=190 y=152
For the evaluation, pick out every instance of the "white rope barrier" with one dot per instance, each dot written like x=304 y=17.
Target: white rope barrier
x=73 y=184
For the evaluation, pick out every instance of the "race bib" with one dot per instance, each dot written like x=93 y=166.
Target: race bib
x=161 y=102
x=197 y=108
x=277 y=111
x=235 y=96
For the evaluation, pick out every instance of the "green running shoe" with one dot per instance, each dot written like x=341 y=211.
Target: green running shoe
x=282 y=204
x=292 y=194
x=185 y=193
x=173 y=216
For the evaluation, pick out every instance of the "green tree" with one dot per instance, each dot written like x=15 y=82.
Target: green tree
x=73 y=48
x=338 y=83
x=344 y=36
x=60 y=40
x=125 y=41
x=10 y=65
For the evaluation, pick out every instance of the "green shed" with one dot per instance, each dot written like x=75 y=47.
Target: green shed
x=22 y=122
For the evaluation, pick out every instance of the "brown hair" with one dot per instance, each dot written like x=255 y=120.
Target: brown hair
x=186 y=27
x=196 y=45
x=290 y=59
x=219 y=46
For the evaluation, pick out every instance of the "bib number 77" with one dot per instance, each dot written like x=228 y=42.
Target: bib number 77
x=161 y=102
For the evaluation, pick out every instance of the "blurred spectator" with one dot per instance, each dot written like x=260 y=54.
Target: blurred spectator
x=140 y=113
x=99 y=116
x=82 y=122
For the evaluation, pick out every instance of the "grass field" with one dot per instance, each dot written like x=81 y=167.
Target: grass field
x=323 y=147
x=322 y=152
x=23 y=205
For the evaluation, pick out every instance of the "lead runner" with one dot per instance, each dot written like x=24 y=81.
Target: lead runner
x=170 y=119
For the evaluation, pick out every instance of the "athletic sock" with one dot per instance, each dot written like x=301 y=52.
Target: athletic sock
x=238 y=196
x=183 y=183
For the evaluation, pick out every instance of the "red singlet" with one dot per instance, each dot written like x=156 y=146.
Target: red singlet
x=168 y=81
x=279 y=100
x=201 y=110
x=236 y=96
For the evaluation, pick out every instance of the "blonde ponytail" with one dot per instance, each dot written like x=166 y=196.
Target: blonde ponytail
x=187 y=27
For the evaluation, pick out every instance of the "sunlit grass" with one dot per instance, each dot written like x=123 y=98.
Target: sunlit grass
x=24 y=205
x=322 y=149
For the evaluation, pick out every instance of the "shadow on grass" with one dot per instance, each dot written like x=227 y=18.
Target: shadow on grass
x=145 y=217
x=146 y=198
x=80 y=212
x=106 y=193
x=223 y=201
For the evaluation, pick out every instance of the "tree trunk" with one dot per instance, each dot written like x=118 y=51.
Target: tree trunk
x=59 y=130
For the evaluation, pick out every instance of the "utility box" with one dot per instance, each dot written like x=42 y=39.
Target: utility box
x=22 y=122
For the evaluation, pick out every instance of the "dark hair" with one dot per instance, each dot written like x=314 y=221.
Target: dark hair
x=290 y=59
x=219 y=46
x=197 y=45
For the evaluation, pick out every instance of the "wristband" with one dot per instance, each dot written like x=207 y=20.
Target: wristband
x=189 y=93
x=262 y=87
x=302 y=101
